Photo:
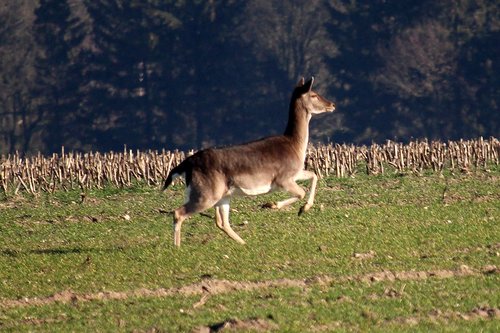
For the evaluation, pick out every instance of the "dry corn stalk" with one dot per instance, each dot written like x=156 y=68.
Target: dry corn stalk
x=95 y=170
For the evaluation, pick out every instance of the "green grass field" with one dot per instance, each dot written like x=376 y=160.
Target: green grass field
x=375 y=253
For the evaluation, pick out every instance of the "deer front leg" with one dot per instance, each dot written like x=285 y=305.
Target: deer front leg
x=281 y=204
x=298 y=192
x=306 y=175
x=291 y=187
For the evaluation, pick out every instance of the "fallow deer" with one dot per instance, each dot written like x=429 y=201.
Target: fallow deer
x=213 y=175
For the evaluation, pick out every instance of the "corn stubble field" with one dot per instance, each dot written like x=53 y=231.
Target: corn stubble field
x=402 y=237
x=95 y=170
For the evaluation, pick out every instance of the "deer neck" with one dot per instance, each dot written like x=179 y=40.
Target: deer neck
x=297 y=128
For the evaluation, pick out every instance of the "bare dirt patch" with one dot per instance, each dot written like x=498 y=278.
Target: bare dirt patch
x=478 y=313
x=490 y=269
x=491 y=249
x=364 y=256
x=483 y=312
x=212 y=286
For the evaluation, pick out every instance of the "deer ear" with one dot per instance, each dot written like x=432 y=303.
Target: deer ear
x=300 y=83
x=308 y=85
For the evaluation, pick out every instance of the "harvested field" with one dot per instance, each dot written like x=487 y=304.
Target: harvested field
x=400 y=251
x=72 y=170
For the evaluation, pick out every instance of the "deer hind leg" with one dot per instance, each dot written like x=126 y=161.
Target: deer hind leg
x=218 y=218
x=222 y=220
x=195 y=203
x=180 y=214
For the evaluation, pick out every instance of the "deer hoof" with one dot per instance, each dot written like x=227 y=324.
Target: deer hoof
x=303 y=209
x=270 y=205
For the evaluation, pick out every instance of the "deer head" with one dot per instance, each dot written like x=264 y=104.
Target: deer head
x=311 y=101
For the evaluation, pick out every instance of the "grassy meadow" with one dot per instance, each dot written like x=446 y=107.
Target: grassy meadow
x=395 y=252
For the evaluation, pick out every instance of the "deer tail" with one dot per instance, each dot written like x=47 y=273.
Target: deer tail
x=183 y=169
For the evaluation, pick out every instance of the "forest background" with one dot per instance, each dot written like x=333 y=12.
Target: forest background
x=151 y=74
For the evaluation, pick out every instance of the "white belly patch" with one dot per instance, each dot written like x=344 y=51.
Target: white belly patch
x=251 y=191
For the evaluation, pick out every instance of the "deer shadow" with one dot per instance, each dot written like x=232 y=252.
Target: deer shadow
x=59 y=251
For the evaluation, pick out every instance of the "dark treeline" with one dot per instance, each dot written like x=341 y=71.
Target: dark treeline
x=101 y=74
